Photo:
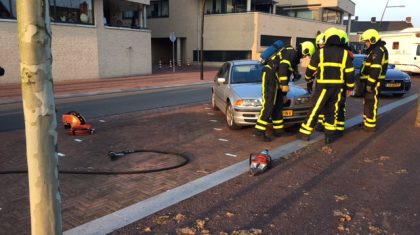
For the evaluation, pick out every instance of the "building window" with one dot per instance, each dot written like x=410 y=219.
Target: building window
x=267 y=40
x=72 y=11
x=310 y=12
x=331 y=16
x=222 y=56
x=124 y=14
x=395 y=45
x=418 y=50
x=8 y=9
x=157 y=9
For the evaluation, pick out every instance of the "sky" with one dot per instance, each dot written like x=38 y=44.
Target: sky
x=366 y=9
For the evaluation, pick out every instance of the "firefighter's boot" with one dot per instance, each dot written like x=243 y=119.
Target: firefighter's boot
x=261 y=135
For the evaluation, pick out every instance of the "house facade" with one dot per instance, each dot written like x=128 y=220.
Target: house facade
x=91 y=39
x=237 y=29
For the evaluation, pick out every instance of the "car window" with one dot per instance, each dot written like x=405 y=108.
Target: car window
x=358 y=61
x=223 y=71
x=250 y=73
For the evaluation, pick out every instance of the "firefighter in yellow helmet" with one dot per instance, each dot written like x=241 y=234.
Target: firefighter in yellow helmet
x=275 y=85
x=372 y=74
x=333 y=69
x=319 y=40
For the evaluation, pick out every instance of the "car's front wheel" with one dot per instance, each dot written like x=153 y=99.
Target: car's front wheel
x=213 y=102
x=230 y=118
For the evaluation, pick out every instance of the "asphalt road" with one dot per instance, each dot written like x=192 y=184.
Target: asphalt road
x=94 y=106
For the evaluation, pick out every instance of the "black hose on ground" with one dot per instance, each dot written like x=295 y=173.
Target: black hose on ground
x=115 y=156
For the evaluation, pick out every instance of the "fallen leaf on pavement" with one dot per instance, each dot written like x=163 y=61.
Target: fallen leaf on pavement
x=252 y=231
x=203 y=171
x=374 y=230
x=340 y=197
x=402 y=171
x=179 y=218
x=162 y=219
x=200 y=223
x=186 y=231
x=205 y=232
x=147 y=230
x=229 y=214
x=341 y=228
x=367 y=160
x=327 y=149
x=384 y=158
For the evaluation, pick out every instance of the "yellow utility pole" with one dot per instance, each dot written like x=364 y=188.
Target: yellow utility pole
x=34 y=32
x=417 y=124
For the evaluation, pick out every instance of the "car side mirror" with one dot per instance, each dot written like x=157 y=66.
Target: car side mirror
x=221 y=80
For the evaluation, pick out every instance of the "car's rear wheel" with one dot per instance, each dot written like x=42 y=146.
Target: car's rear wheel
x=213 y=102
x=230 y=118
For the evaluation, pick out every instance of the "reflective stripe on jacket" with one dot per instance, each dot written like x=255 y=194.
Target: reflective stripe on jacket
x=331 y=65
x=376 y=64
x=287 y=64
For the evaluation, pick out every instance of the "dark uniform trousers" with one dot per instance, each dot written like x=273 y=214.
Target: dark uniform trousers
x=326 y=99
x=340 y=114
x=272 y=102
x=372 y=73
x=370 y=106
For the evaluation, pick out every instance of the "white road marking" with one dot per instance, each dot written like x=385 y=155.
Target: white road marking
x=61 y=154
x=212 y=120
x=217 y=129
x=102 y=121
x=224 y=140
x=78 y=140
x=210 y=114
x=231 y=155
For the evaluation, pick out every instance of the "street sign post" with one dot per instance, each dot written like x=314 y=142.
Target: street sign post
x=172 y=37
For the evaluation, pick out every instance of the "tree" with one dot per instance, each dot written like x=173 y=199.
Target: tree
x=34 y=34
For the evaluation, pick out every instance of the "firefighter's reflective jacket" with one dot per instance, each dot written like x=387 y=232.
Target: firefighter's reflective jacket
x=288 y=64
x=331 y=65
x=376 y=64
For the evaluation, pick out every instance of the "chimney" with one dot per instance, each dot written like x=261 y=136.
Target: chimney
x=408 y=19
x=373 y=20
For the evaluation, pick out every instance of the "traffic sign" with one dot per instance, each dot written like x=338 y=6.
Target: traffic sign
x=172 y=37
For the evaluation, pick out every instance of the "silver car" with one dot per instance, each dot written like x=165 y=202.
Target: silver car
x=236 y=92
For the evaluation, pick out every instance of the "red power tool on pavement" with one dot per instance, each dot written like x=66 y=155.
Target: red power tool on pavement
x=259 y=162
x=76 y=124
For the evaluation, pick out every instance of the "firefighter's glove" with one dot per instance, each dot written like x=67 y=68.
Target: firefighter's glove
x=296 y=76
x=309 y=87
x=369 y=88
x=284 y=89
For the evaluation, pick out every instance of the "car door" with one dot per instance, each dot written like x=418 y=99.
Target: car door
x=221 y=88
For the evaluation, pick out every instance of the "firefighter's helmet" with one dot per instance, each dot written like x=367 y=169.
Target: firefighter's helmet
x=370 y=35
x=331 y=36
x=308 y=48
x=319 y=40
x=344 y=39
